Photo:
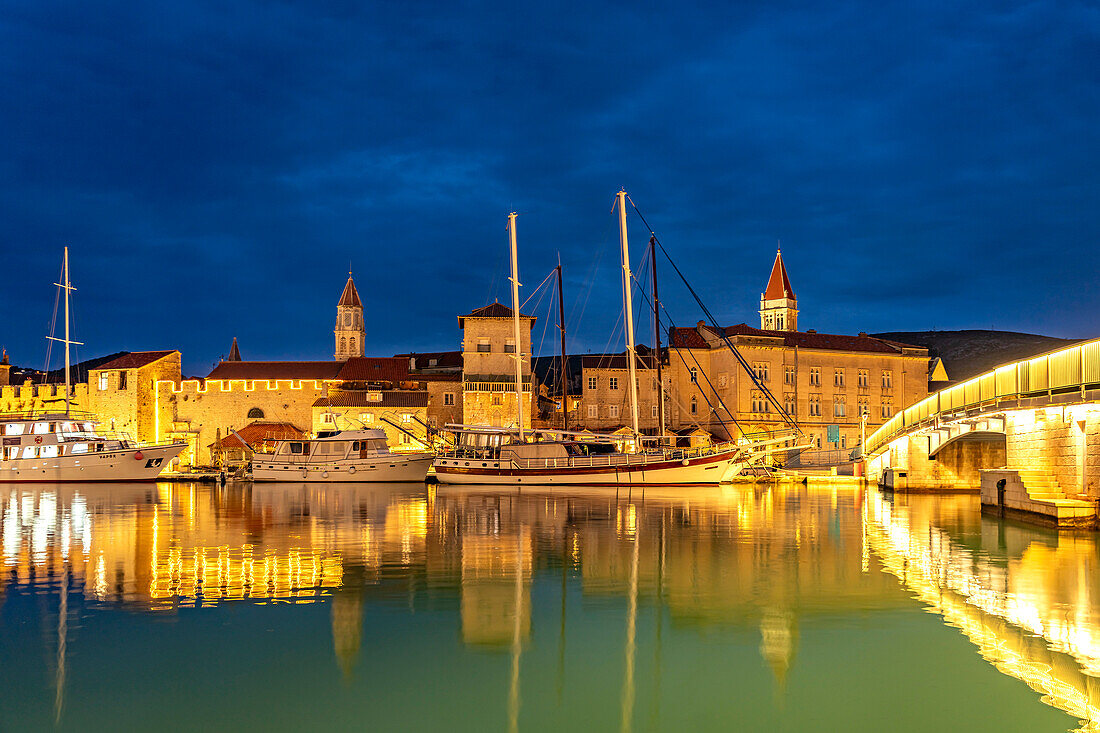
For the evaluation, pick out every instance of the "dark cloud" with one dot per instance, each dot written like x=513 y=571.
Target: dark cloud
x=215 y=167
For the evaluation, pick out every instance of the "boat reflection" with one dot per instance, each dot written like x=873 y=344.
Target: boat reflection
x=769 y=558
x=1026 y=597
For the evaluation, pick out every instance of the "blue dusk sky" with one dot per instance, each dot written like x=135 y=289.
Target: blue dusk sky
x=216 y=166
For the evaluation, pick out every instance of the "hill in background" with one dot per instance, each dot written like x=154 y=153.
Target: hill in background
x=968 y=353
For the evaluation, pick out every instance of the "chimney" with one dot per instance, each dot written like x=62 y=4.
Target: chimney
x=811 y=331
x=700 y=324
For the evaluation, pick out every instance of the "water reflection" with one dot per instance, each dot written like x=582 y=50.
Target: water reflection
x=619 y=588
x=1025 y=596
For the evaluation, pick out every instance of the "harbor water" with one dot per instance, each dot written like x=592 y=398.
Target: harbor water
x=757 y=607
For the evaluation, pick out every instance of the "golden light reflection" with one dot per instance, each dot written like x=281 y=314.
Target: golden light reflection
x=1031 y=617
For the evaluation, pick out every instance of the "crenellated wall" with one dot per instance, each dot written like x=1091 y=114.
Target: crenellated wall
x=201 y=412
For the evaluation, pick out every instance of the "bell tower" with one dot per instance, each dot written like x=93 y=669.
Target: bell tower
x=349 y=329
x=778 y=303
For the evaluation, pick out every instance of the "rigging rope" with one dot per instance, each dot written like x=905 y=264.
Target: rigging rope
x=719 y=330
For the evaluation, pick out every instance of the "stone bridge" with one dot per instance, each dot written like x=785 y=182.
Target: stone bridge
x=1034 y=423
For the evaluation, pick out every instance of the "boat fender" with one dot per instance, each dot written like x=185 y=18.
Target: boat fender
x=324 y=474
x=351 y=469
x=138 y=456
x=686 y=462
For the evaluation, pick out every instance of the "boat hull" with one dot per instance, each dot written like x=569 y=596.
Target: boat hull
x=701 y=471
x=120 y=465
x=394 y=468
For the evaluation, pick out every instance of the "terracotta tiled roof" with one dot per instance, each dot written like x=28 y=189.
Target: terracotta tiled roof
x=390 y=398
x=493 y=310
x=319 y=370
x=350 y=296
x=376 y=369
x=779 y=285
x=691 y=338
x=135 y=360
x=257 y=434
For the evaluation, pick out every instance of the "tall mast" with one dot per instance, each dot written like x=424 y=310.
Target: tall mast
x=67 y=286
x=629 y=311
x=68 y=382
x=657 y=339
x=518 y=355
x=564 y=360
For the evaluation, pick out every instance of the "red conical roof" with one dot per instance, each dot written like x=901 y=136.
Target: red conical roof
x=350 y=295
x=779 y=285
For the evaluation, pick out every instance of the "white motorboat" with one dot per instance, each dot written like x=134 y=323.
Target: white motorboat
x=340 y=456
x=60 y=447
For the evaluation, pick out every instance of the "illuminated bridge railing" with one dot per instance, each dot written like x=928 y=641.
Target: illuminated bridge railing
x=1066 y=370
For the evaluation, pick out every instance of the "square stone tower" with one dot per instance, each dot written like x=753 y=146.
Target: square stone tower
x=489 y=352
x=349 y=331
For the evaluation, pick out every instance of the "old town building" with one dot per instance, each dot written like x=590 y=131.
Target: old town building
x=489 y=353
x=818 y=379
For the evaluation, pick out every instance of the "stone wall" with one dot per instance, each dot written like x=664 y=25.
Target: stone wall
x=603 y=398
x=1063 y=442
x=201 y=412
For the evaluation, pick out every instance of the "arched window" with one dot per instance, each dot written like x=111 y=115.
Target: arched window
x=343 y=344
x=694 y=406
x=255 y=414
x=353 y=345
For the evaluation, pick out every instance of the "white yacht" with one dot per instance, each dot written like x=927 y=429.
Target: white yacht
x=63 y=447
x=66 y=446
x=340 y=456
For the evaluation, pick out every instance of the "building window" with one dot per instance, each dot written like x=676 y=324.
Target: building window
x=655 y=412
x=612 y=382
x=406 y=418
x=612 y=410
x=694 y=375
x=843 y=441
x=722 y=380
x=255 y=414
x=838 y=407
x=818 y=442
x=694 y=406
x=788 y=375
x=789 y=404
x=448 y=398
x=864 y=407
x=367 y=418
x=102 y=381
x=887 y=379
x=838 y=377
x=510 y=346
x=815 y=405
x=495 y=400
x=483 y=346
x=403 y=438
x=863 y=379
x=593 y=411
x=815 y=376
x=760 y=369
x=759 y=403
x=122 y=380
x=343 y=344
x=887 y=409
x=592 y=382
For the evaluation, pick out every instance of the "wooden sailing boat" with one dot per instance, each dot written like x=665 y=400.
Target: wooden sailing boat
x=52 y=447
x=502 y=456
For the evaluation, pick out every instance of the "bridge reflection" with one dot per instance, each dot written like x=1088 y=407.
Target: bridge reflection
x=768 y=559
x=1027 y=598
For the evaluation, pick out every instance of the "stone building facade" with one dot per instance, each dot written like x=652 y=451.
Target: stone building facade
x=489 y=352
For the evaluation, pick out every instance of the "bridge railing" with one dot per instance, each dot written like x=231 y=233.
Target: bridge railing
x=1065 y=370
